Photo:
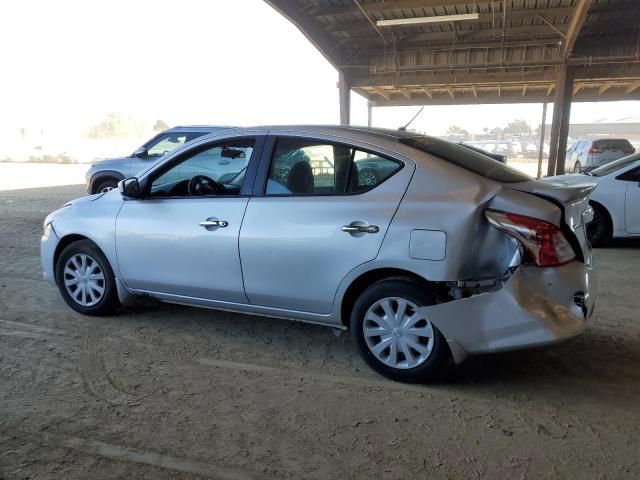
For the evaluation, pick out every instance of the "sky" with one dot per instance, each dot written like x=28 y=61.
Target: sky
x=66 y=64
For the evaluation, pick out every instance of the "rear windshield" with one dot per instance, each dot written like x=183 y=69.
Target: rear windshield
x=612 y=144
x=615 y=166
x=466 y=158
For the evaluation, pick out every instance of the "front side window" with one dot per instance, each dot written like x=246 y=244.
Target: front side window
x=312 y=167
x=211 y=170
x=166 y=144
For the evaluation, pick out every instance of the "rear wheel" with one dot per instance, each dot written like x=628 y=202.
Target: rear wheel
x=577 y=168
x=392 y=336
x=85 y=279
x=599 y=229
x=106 y=186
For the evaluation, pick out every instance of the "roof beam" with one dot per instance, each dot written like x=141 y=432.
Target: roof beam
x=632 y=87
x=383 y=6
x=427 y=92
x=359 y=27
x=577 y=20
x=604 y=88
x=425 y=39
x=381 y=93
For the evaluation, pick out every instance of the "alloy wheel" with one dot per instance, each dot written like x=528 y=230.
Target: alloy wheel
x=397 y=334
x=84 y=279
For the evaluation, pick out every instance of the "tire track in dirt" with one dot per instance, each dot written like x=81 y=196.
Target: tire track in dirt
x=93 y=370
x=120 y=453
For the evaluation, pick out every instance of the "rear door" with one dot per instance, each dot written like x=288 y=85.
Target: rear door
x=320 y=209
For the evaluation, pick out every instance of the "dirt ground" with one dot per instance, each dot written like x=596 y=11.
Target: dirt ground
x=163 y=391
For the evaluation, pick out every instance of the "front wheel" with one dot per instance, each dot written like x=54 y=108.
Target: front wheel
x=392 y=336
x=85 y=279
x=106 y=186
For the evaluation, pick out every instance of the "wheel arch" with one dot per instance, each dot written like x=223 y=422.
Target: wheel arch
x=363 y=281
x=103 y=175
x=607 y=215
x=65 y=242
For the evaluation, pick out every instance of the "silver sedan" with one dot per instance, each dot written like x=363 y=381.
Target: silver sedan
x=423 y=249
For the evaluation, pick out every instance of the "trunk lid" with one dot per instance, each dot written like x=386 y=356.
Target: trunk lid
x=574 y=201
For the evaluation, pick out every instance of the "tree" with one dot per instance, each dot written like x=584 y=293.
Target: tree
x=457 y=130
x=160 y=126
x=517 y=126
x=117 y=125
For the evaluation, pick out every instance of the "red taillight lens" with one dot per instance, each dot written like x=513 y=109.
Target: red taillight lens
x=595 y=150
x=544 y=242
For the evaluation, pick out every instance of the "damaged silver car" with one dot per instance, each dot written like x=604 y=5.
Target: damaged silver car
x=422 y=248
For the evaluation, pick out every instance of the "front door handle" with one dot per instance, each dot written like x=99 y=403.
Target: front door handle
x=354 y=228
x=212 y=222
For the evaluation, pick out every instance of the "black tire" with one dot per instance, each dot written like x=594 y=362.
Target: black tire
x=577 y=168
x=106 y=185
x=108 y=303
x=408 y=290
x=599 y=230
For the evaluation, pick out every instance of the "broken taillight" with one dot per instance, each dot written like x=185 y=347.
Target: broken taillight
x=544 y=242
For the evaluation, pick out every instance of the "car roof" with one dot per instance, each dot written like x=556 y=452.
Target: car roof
x=349 y=131
x=196 y=128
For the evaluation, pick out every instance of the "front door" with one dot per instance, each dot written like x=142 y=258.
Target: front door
x=632 y=203
x=325 y=210
x=182 y=239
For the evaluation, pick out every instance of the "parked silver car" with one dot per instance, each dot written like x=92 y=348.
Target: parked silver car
x=104 y=175
x=588 y=153
x=448 y=252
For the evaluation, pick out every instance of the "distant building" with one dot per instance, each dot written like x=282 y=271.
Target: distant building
x=628 y=127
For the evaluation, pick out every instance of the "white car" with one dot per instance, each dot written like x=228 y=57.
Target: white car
x=615 y=201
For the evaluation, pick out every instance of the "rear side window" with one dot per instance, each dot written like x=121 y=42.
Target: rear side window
x=612 y=144
x=467 y=159
x=312 y=167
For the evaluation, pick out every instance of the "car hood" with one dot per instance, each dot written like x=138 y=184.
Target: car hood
x=85 y=199
x=115 y=163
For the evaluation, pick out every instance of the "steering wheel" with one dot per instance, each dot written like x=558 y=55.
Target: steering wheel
x=202 y=185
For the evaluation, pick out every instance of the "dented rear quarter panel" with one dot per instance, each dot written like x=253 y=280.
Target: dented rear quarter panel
x=446 y=198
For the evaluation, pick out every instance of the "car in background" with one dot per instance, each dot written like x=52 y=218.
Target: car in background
x=500 y=157
x=449 y=254
x=104 y=175
x=587 y=154
x=615 y=201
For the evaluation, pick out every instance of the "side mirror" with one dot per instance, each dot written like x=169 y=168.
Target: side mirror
x=129 y=187
x=142 y=152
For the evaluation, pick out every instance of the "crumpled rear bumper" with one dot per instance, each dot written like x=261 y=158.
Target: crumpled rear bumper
x=537 y=306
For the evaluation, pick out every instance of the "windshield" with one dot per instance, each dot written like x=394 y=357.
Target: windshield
x=466 y=158
x=615 y=166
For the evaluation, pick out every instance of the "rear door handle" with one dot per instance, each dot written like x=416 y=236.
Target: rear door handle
x=212 y=222
x=353 y=228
